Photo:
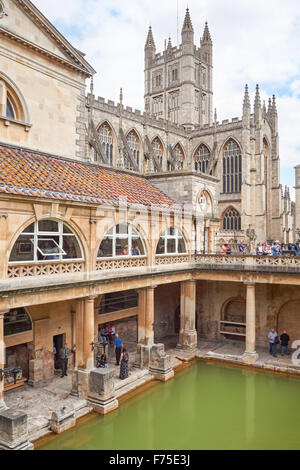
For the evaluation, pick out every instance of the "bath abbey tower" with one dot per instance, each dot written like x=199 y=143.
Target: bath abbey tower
x=228 y=171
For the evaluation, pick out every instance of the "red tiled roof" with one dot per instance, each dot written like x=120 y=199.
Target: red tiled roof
x=29 y=173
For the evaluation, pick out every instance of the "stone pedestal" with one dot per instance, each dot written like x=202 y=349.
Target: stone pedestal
x=160 y=363
x=62 y=420
x=14 y=431
x=142 y=357
x=187 y=340
x=102 y=391
x=80 y=383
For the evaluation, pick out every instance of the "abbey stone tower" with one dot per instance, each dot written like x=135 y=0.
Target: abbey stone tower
x=228 y=172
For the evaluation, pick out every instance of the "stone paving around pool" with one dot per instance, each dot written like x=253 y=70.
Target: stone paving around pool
x=39 y=403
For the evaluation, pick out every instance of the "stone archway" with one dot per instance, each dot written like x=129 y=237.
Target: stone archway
x=233 y=319
x=289 y=319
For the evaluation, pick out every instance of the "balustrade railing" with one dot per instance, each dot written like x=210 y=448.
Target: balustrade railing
x=43 y=269
x=121 y=263
x=27 y=270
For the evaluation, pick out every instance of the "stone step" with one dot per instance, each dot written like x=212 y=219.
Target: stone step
x=133 y=385
x=134 y=375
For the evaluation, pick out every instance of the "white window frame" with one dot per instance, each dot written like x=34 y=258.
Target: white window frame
x=123 y=236
x=177 y=236
x=60 y=233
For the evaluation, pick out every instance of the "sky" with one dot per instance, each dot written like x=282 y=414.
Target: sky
x=255 y=41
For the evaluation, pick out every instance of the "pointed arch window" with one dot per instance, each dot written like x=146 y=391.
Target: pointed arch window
x=202 y=157
x=179 y=159
x=158 y=150
x=107 y=142
x=122 y=240
x=232 y=168
x=46 y=240
x=135 y=147
x=231 y=220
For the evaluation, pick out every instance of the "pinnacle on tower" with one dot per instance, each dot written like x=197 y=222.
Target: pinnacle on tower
x=187 y=25
x=270 y=107
x=274 y=107
x=264 y=108
x=206 y=38
x=150 y=40
x=170 y=47
x=246 y=103
x=257 y=102
x=121 y=95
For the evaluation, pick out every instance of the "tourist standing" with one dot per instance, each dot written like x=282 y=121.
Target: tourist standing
x=242 y=248
x=124 y=365
x=64 y=354
x=118 y=348
x=259 y=250
x=284 y=339
x=273 y=340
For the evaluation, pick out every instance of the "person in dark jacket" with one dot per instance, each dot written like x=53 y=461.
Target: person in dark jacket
x=284 y=339
x=64 y=354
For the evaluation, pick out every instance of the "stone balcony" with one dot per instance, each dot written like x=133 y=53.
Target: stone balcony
x=43 y=275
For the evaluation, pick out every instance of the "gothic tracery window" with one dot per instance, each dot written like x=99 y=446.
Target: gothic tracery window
x=158 y=150
x=106 y=139
x=179 y=159
x=10 y=113
x=232 y=168
x=135 y=147
x=202 y=158
x=231 y=220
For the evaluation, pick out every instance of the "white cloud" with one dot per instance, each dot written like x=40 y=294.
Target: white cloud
x=255 y=41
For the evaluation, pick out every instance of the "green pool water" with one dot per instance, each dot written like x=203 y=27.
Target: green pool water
x=206 y=406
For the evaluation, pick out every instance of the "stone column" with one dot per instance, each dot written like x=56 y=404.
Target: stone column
x=79 y=320
x=2 y=359
x=188 y=333
x=149 y=316
x=88 y=332
x=250 y=355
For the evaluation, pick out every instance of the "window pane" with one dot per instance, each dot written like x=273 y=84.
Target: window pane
x=137 y=248
x=29 y=229
x=171 y=246
x=48 y=226
x=16 y=321
x=106 y=248
x=71 y=248
x=160 y=247
x=67 y=229
x=9 y=110
x=23 y=249
x=48 y=248
x=122 y=247
x=122 y=229
x=181 y=246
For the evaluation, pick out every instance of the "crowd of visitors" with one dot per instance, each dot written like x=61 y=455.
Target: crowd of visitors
x=265 y=249
x=107 y=335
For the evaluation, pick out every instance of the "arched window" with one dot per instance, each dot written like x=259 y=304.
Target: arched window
x=12 y=104
x=121 y=240
x=202 y=157
x=106 y=139
x=135 y=147
x=17 y=321
x=231 y=220
x=46 y=240
x=171 y=242
x=232 y=168
x=205 y=203
x=179 y=159
x=158 y=150
x=10 y=113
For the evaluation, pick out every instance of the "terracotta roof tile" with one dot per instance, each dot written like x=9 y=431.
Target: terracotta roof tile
x=29 y=173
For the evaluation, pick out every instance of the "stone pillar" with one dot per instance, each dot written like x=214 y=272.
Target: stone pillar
x=146 y=316
x=250 y=355
x=188 y=333
x=2 y=359
x=88 y=332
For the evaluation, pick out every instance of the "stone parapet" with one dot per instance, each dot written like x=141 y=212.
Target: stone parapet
x=102 y=391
